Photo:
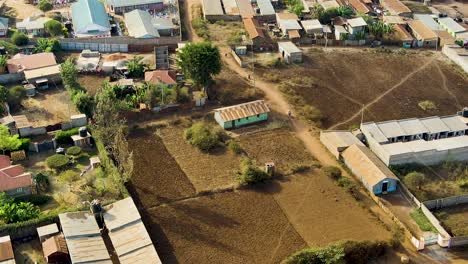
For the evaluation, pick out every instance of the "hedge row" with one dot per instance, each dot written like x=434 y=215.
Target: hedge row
x=64 y=136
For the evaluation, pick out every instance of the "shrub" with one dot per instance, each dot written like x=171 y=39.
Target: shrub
x=36 y=199
x=328 y=255
x=463 y=184
x=298 y=168
x=361 y=252
x=10 y=47
x=15 y=95
x=18 y=155
x=74 y=151
x=250 y=173
x=64 y=136
x=234 y=147
x=332 y=172
x=18 y=212
x=57 y=161
x=53 y=27
x=19 y=39
x=415 y=180
x=347 y=184
x=69 y=176
x=310 y=113
x=427 y=105
x=45 y=5
x=204 y=136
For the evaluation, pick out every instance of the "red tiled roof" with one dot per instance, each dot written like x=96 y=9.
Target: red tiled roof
x=13 y=176
x=21 y=62
x=4 y=161
x=161 y=76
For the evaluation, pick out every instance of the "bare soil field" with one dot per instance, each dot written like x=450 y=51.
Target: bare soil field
x=206 y=171
x=48 y=107
x=454 y=219
x=21 y=10
x=233 y=227
x=323 y=213
x=157 y=177
x=340 y=81
x=91 y=82
x=231 y=89
x=279 y=146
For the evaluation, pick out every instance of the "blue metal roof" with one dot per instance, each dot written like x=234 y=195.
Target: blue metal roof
x=89 y=12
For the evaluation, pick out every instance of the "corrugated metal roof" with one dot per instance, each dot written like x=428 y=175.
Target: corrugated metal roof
x=230 y=7
x=455 y=123
x=367 y=165
x=289 y=47
x=357 y=22
x=121 y=3
x=396 y=7
x=452 y=25
x=212 y=7
x=311 y=24
x=266 y=8
x=47 y=230
x=391 y=129
x=374 y=131
x=413 y=126
x=128 y=233
x=424 y=32
x=434 y=124
x=42 y=72
x=139 y=24
x=6 y=250
x=243 y=110
x=245 y=8
x=253 y=28
x=78 y=224
x=89 y=15
x=429 y=21
x=341 y=139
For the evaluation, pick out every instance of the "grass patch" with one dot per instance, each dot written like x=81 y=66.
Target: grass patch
x=417 y=7
x=422 y=221
x=427 y=105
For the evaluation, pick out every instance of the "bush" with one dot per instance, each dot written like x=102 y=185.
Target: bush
x=427 y=105
x=332 y=172
x=74 y=151
x=204 y=136
x=249 y=173
x=234 y=147
x=36 y=199
x=69 y=176
x=15 y=95
x=64 y=136
x=45 y=5
x=53 y=27
x=347 y=184
x=10 y=47
x=19 y=39
x=57 y=161
x=311 y=113
x=361 y=252
x=328 y=255
x=24 y=144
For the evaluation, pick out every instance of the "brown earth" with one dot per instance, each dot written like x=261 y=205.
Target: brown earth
x=233 y=227
x=454 y=219
x=340 y=81
x=157 y=177
x=91 y=82
x=231 y=89
x=279 y=146
x=206 y=171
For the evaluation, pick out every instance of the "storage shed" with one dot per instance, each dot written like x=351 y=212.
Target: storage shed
x=242 y=114
x=42 y=77
x=55 y=249
x=372 y=172
x=337 y=141
x=290 y=52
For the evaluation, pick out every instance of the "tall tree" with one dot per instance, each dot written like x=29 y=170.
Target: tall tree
x=106 y=115
x=69 y=73
x=7 y=141
x=136 y=68
x=200 y=62
x=53 y=27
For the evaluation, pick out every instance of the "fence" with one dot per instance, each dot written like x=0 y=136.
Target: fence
x=238 y=59
x=101 y=47
x=446 y=202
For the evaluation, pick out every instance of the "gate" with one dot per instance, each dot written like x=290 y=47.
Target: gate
x=430 y=239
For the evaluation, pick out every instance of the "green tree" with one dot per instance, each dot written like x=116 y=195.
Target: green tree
x=53 y=27
x=47 y=45
x=3 y=94
x=57 y=161
x=7 y=141
x=136 y=68
x=3 y=63
x=42 y=181
x=69 y=74
x=200 y=62
x=379 y=29
x=415 y=180
x=84 y=103
x=19 y=38
x=106 y=115
x=45 y=5
x=18 y=212
x=295 y=6
x=203 y=136
x=250 y=173
x=16 y=94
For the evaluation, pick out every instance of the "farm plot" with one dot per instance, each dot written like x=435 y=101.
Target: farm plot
x=231 y=89
x=157 y=177
x=454 y=219
x=233 y=227
x=340 y=81
x=279 y=146
x=322 y=212
x=206 y=171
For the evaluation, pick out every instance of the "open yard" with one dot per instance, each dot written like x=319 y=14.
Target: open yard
x=454 y=219
x=231 y=89
x=48 y=107
x=339 y=82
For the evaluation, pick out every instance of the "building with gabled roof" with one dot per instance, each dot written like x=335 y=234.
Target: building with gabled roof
x=128 y=234
x=33 y=25
x=260 y=40
x=289 y=52
x=336 y=141
x=423 y=34
x=396 y=8
x=452 y=26
x=55 y=249
x=359 y=7
x=139 y=24
x=90 y=19
x=14 y=180
x=125 y=6
x=242 y=114
x=312 y=27
x=21 y=62
x=167 y=77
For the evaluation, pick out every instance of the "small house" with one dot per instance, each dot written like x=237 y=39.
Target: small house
x=403 y=35
x=120 y=7
x=55 y=249
x=260 y=40
x=340 y=32
x=90 y=19
x=423 y=34
x=356 y=25
x=242 y=114
x=452 y=26
x=139 y=25
x=329 y=4
x=33 y=25
x=14 y=181
x=312 y=27
x=368 y=168
x=3 y=26
x=167 y=77
x=22 y=62
x=359 y=7
x=288 y=24
x=83 y=139
x=6 y=251
x=47 y=231
x=43 y=77
x=396 y=8
x=290 y=52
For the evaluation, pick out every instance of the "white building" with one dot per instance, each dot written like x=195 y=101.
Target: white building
x=289 y=52
x=430 y=140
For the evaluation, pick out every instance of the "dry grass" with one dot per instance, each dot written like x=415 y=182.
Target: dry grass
x=91 y=82
x=234 y=227
x=279 y=146
x=206 y=171
x=455 y=219
x=231 y=89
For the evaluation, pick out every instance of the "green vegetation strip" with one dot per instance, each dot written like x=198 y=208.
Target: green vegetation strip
x=422 y=221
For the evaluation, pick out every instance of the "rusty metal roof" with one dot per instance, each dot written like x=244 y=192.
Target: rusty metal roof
x=243 y=110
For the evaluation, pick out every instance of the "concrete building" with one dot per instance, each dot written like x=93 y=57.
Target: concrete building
x=430 y=140
x=359 y=7
x=213 y=11
x=289 y=52
x=341 y=33
x=457 y=54
x=83 y=238
x=356 y=25
x=139 y=25
x=128 y=234
x=260 y=40
x=452 y=26
x=403 y=35
x=120 y=7
x=312 y=27
x=429 y=21
x=22 y=62
x=242 y=114
x=396 y=8
x=424 y=35
x=33 y=25
x=288 y=24
x=90 y=19
x=267 y=11
x=337 y=141
x=372 y=172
